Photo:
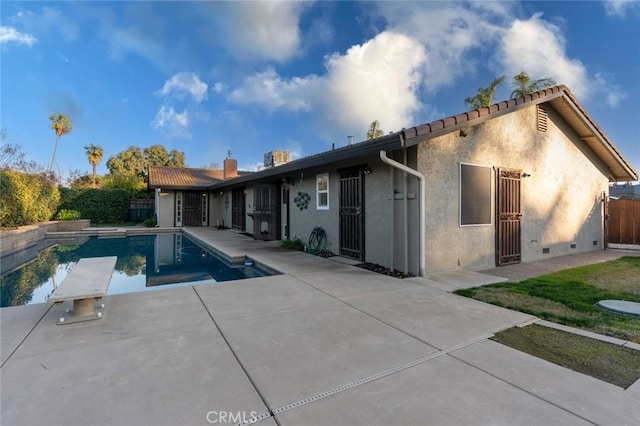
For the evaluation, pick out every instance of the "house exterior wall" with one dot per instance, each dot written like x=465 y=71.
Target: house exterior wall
x=166 y=211
x=378 y=196
x=560 y=201
x=217 y=213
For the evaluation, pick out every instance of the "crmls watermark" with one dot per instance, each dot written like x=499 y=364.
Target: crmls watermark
x=230 y=417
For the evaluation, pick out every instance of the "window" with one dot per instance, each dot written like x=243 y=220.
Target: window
x=322 y=191
x=475 y=195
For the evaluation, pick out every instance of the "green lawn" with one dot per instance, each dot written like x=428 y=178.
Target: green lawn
x=568 y=297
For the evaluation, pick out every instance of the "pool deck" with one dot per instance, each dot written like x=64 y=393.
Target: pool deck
x=323 y=344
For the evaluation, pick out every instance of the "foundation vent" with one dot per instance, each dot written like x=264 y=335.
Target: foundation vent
x=595 y=242
x=542 y=119
x=573 y=245
x=545 y=250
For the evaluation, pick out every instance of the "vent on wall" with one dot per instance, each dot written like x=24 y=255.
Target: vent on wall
x=542 y=119
x=573 y=245
x=545 y=250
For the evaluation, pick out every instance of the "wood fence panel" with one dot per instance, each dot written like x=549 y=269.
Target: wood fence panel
x=624 y=222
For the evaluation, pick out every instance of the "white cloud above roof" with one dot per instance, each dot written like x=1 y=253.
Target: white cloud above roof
x=263 y=29
x=185 y=84
x=377 y=80
x=538 y=47
x=173 y=124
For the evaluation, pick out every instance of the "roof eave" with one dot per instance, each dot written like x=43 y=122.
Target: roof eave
x=389 y=142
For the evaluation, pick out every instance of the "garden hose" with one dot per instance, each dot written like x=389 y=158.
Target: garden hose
x=317 y=240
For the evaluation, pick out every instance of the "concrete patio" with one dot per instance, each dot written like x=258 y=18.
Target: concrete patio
x=324 y=343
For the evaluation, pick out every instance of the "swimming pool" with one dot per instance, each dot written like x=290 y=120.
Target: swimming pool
x=145 y=262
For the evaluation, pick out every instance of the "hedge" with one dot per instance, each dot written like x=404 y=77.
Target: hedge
x=99 y=205
x=26 y=198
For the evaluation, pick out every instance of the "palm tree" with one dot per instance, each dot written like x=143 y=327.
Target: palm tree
x=484 y=97
x=374 y=131
x=94 y=155
x=525 y=86
x=61 y=126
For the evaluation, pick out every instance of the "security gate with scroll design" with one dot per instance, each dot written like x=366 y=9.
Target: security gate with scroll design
x=192 y=215
x=509 y=217
x=351 y=214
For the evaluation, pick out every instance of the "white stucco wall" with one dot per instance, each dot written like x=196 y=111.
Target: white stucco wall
x=561 y=200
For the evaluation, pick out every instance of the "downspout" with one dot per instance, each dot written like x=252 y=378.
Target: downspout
x=157 y=199
x=420 y=176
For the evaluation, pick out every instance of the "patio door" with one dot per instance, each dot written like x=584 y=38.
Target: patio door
x=352 y=214
x=509 y=217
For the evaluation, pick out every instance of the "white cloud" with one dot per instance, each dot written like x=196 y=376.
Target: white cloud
x=10 y=34
x=449 y=32
x=620 y=8
x=539 y=48
x=377 y=80
x=185 y=84
x=270 y=91
x=172 y=123
x=263 y=29
x=218 y=87
x=47 y=21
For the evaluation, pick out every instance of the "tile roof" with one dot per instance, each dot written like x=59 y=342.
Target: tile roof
x=182 y=178
x=559 y=97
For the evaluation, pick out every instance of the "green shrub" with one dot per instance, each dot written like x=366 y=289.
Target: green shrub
x=292 y=244
x=26 y=198
x=68 y=215
x=150 y=222
x=99 y=205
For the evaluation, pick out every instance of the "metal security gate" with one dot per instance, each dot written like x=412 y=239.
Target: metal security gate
x=509 y=217
x=192 y=215
x=266 y=212
x=238 y=218
x=352 y=214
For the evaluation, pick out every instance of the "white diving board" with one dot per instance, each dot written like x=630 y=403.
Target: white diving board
x=88 y=281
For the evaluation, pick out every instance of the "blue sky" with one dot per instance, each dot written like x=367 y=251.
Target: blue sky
x=250 y=77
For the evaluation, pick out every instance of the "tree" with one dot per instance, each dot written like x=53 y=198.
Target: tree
x=374 y=131
x=129 y=162
x=13 y=157
x=484 y=96
x=61 y=125
x=525 y=86
x=94 y=155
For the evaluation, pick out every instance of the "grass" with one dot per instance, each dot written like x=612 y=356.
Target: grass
x=605 y=361
x=568 y=297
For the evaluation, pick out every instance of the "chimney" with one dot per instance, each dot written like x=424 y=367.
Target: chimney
x=230 y=167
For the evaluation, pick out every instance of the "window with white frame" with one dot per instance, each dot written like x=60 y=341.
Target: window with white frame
x=322 y=191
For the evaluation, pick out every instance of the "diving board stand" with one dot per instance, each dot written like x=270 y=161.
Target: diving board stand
x=87 y=282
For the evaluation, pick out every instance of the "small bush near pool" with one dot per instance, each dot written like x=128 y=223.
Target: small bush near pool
x=292 y=244
x=150 y=222
x=68 y=215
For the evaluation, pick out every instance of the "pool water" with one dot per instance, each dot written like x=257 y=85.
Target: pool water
x=145 y=262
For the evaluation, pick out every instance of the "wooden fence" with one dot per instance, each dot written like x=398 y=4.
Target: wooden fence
x=624 y=222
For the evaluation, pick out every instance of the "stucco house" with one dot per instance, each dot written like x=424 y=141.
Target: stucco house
x=521 y=180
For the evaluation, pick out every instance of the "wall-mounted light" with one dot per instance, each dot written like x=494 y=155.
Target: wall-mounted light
x=367 y=170
x=525 y=175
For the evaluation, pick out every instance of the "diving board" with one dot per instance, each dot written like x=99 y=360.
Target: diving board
x=88 y=281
